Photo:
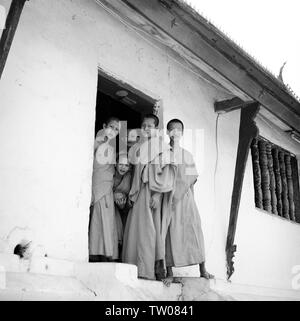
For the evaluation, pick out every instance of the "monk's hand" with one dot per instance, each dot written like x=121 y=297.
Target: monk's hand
x=122 y=202
x=155 y=201
x=129 y=203
x=101 y=138
x=98 y=141
x=118 y=197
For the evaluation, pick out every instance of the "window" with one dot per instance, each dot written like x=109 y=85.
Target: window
x=276 y=179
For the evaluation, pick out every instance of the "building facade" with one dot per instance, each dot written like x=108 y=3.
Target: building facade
x=69 y=59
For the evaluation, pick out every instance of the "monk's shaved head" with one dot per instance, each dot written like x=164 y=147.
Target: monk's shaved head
x=174 y=121
x=151 y=116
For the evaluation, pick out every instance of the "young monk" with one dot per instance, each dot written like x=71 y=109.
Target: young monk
x=121 y=188
x=181 y=226
x=132 y=137
x=153 y=177
x=103 y=237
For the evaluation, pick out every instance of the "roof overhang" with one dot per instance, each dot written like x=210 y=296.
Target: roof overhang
x=175 y=20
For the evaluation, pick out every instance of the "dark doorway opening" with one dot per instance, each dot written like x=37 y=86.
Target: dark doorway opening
x=115 y=98
x=118 y=99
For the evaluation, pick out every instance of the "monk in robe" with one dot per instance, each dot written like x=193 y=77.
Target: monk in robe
x=121 y=188
x=153 y=177
x=103 y=236
x=132 y=137
x=181 y=225
x=122 y=180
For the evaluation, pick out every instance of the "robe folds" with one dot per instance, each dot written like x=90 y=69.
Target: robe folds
x=143 y=244
x=121 y=213
x=103 y=236
x=181 y=224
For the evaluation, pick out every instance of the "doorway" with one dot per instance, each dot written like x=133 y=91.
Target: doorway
x=117 y=99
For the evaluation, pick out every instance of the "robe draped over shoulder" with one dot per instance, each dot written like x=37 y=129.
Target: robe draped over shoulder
x=143 y=244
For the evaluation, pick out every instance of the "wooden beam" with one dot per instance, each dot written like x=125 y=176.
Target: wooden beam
x=8 y=33
x=247 y=132
x=225 y=106
x=219 y=54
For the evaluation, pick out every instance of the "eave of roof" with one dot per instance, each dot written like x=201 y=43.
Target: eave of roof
x=194 y=32
x=258 y=65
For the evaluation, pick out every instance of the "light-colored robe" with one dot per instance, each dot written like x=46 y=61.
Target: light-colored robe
x=122 y=187
x=181 y=225
x=143 y=244
x=103 y=237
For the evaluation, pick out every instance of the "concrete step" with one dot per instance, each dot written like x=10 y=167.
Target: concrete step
x=49 y=279
x=30 y=286
x=246 y=292
x=43 y=278
x=119 y=281
x=17 y=295
x=199 y=289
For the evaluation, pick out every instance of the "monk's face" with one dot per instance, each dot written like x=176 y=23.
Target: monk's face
x=175 y=131
x=148 y=128
x=112 y=129
x=123 y=166
x=132 y=137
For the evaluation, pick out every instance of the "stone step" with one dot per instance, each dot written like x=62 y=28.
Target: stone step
x=50 y=279
x=246 y=292
x=199 y=289
x=27 y=286
x=17 y=295
x=119 y=281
